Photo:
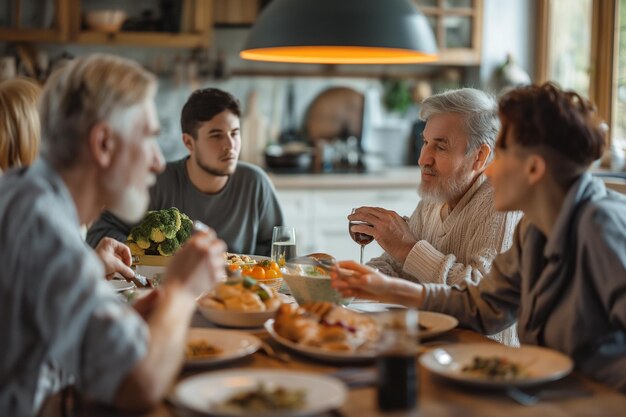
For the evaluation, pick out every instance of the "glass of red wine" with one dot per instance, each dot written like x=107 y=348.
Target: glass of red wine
x=359 y=237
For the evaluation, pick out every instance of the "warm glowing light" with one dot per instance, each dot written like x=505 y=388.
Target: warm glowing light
x=337 y=55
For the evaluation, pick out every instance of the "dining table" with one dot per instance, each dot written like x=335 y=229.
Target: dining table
x=437 y=396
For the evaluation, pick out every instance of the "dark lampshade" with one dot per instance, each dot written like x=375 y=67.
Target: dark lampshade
x=341 y=32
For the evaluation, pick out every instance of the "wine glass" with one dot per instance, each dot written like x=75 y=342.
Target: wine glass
x=359 y=237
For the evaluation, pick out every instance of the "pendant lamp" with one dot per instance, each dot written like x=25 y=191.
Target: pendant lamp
x=341 y=32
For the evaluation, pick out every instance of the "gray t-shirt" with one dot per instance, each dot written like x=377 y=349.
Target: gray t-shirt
x=61 y=320
x=243 y=213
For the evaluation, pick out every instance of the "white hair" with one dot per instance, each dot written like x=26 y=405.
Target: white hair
x=479 y=108
x=88 y=90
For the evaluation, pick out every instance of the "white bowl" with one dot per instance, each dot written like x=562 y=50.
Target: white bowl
x=305 y=288
x=239 y=319
x=105 y=20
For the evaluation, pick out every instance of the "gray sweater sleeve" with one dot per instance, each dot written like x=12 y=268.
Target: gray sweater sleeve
x=107 y=225
x=488 y=306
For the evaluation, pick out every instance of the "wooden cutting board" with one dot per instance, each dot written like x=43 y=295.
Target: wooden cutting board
x=151 y=260
x=333 y=111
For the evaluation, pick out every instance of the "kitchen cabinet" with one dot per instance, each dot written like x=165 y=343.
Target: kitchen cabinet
x=319 y=216
x=34 y=20
x=457 y=25
x=236 y=12
x=195 y=28
x=196 y=24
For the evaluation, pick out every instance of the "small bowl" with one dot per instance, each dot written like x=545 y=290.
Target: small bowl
x=305 y=287
x=105 y=20
x=273 y=283
x=239 y=319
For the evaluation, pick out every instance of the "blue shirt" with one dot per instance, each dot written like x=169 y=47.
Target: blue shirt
x=60 y=318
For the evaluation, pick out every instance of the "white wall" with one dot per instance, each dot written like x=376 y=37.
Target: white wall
x=508 y=27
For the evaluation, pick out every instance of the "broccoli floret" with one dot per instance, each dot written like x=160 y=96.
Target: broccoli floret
x=186 y=226
x=159 y=224
x=143 y=243
x=134 y=248
x=158 y=233
x=177 y=219
x=138 y=233
x=168 y=247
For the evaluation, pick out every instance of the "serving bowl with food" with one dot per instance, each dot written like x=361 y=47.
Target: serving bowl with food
x=156 y=238
x=242 y=302
x=308 y=280
x=258 y=267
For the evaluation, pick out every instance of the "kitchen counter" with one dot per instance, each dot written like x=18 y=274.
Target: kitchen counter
x=397 y=177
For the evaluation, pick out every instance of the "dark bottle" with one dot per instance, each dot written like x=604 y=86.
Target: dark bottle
x=397 y=381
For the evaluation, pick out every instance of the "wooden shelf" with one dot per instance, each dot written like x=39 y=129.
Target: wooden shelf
x=29 y=35
x=149 y=39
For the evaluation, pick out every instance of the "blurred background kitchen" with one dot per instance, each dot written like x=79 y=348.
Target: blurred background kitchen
x=355 y=124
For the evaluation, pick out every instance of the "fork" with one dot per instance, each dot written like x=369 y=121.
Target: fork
x=528 y=399
x=325 y=264
x=271 y=353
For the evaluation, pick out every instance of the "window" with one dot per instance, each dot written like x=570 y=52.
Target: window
x=581 y=45
x=570 y=44
x=619 y=97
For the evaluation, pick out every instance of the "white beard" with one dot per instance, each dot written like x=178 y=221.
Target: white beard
x=447 y=190
x=132 y=205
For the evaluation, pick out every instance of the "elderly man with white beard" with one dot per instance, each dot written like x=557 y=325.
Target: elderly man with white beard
x=455 y=232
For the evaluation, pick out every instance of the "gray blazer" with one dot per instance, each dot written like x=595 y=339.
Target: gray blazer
x=567 y=292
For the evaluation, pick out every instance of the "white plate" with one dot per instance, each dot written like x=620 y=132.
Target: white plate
x=238 y=319
x=120 y=285
x=436 y=323
x=373 y=307
x=201 y=393
x=233 y=345
x=319 y=353
x=256 y=258
x=541 y=364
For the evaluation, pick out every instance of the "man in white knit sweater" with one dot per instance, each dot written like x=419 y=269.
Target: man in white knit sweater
x=455 y=232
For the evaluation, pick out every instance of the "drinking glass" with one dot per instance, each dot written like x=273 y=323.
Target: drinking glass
x=396 y=361
x=283 y=244
x=360 y=238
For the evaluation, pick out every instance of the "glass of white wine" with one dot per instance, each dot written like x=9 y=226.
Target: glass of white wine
x=283 y=244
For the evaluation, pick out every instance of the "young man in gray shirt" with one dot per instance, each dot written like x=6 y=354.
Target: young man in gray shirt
x=235 y=198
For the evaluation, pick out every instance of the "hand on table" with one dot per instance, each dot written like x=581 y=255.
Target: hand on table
x=388 y=228
x=115 y=257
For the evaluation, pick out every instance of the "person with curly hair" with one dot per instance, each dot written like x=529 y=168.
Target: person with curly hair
x=564 y=278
